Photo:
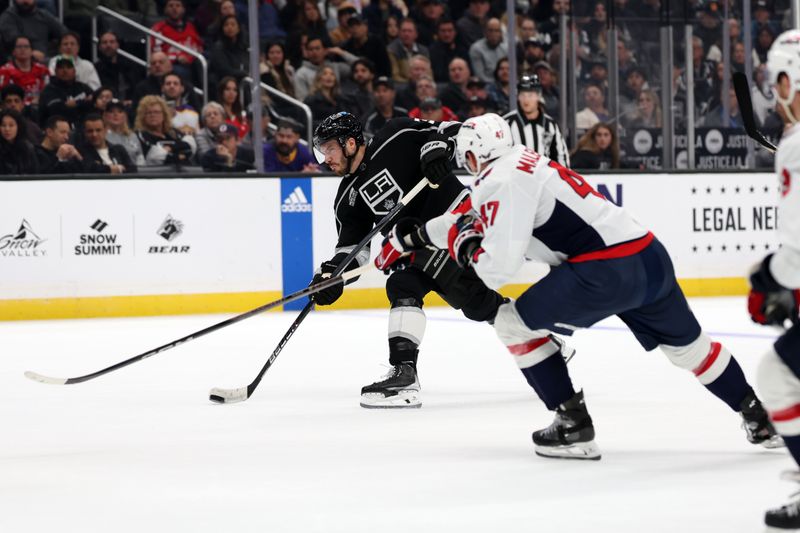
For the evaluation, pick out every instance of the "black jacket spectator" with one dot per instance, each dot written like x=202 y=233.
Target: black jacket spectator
x=211 y=161
x=230 y=55
x=49 y=163
x=586 y=159
x=376 y=15
x=119 y=74
x=373 y=48
x=442 y=54
x=57 y=93
x=93 y=163
x=16 y=154
x=24 y=18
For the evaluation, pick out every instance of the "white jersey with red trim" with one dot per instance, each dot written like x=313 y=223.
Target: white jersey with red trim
x=533 y=208
x=785 y=265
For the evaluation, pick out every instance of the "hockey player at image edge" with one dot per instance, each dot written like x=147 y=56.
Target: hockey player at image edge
x=773 y=298
x=375 y=176
x=603 y=263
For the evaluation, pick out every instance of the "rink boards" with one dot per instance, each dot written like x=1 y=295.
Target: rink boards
x=127 y=247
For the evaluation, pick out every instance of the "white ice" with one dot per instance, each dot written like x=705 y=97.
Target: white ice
x=143 y=450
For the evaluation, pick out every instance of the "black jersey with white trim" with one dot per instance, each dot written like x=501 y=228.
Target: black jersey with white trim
x=390 y=168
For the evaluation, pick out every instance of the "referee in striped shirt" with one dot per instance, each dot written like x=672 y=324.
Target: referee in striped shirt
x=534 y=128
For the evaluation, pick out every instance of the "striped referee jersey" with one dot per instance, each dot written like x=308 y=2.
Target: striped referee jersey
x=540 y=135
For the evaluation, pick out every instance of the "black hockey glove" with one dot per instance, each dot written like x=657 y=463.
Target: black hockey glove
x=435 y=158
x=464 y=239
x=405 y=237
x=331 y=294
x=769 y=302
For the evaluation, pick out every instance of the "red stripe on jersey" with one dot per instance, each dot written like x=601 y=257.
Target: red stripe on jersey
x=527 y=347
x=785 y=415
x=615 y=252
x=713 y=353
x=464 y=207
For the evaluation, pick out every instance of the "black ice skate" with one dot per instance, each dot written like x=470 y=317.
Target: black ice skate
x=757 y=425
x=571 y=435
x=398 y=389
x=786 y=518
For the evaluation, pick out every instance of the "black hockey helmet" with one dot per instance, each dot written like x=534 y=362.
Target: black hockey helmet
x=529 y=82
x=340 y=126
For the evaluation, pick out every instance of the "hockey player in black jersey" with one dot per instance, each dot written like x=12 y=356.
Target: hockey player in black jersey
x=375 y=176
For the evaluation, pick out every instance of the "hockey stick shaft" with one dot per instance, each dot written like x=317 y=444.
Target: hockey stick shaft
x=742 y=89
x=330 y=282
x=234 y=395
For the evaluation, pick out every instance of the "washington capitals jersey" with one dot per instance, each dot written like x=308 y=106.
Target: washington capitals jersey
x=390 y=168
x=534 y=208
x=785 y=265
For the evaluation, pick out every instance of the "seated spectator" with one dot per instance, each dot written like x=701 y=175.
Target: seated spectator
x=161 y=143
x=486 y=52
x=24 y=71
x=499 y=90
x=65 y=95
x=471 y=24
x=69 y=46
x=213 y=117
x=13 y=98
x=55 y=155
x=316 y=58
x=477 y=106
x=276 y=71
x=378 y=14
x=597 y=149
x=390 y=29
x=476 y=89
x=550 y=94
x=285 y=153
x=326 y=97
x=595 y=110
x=100 y=99
x=16 y=153
x=431 y=108
x=426 y=14
x=385 y=110
x=99 y=156
x=402 y=49
x=228 y=96
x=454 y=95
x=176 y=27
x=118 y=132
x=716 y=117
x=647 y=114
x=228 y=155
x=118 y=73
x=419 y=66
x=534 y=51
x=224 y=9
x=229 y=55
x=359 y=90
x=445 y=48
x=184 y=116
x=22 y=17
x=362 y=44
x=160 y=66
x=309 y=21
x=341 y=32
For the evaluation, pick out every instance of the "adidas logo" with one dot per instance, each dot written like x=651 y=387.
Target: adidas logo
x=296 y=202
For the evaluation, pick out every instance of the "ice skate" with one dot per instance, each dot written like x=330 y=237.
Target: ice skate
x=787 y=517
x=757 y=425
x=398 y=389
x=571 y=435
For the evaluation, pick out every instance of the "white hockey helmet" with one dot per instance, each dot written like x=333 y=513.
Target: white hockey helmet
x=487 y=137
x=784 y=58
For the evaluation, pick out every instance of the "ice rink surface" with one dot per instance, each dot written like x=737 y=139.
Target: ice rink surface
x=142 y=449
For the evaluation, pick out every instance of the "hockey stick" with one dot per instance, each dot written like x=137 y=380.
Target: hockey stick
x=742 y=89
x=330 y=282
x=240 y=394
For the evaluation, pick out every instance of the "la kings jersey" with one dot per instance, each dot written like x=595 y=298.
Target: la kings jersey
x=533 y=208
x=541 y=135
x=390 y=168
x=785 y=265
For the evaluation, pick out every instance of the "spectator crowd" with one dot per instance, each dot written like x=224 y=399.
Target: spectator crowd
x=61 y=112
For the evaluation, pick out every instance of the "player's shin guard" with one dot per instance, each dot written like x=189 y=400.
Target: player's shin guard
x=538 y=357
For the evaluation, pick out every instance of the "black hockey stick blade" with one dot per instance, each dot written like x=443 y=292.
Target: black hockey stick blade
x=240 y=394
x=742 y=89
x=333 y=280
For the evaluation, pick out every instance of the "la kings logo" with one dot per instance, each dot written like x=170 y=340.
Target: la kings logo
x=169 y=230
x=381 y=192
x=22 y=243
x=98 y=243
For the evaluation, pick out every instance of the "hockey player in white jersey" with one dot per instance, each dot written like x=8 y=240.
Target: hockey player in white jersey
x=603 y=263
x=775 y=281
